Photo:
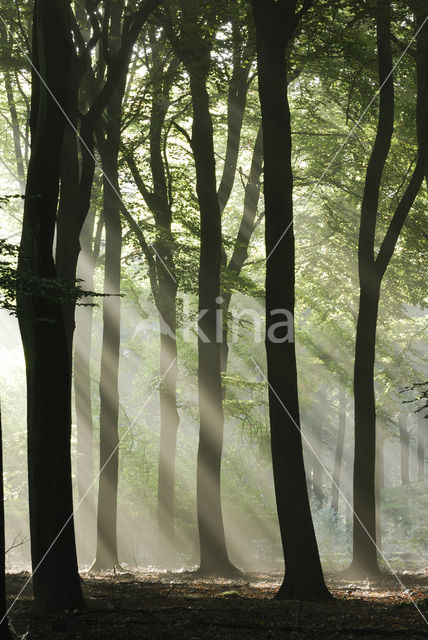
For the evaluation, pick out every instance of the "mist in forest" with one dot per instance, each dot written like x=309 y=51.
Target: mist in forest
x=247 y=485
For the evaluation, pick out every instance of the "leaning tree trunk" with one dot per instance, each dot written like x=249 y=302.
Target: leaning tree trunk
x=56 y=582
x=246 y=228
x=303 y=578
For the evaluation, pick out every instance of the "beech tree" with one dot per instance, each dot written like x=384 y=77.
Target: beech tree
x=275 y=26
x=372 y=266
x=56 y=581
x=193 y=46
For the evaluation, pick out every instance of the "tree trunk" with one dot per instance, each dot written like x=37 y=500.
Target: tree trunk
x=106 y=554
x=364 y=560
x=317 y=456
x=422 y=440
x=246 y=229
x=339 y=450
x=364 y=536
x=82 y=393
x=404 y=448
x=169 y=418
x=20 y=163
x=56 y=580
x=5 y=633
x=214 y=556
x=379 y=486
x=303 y=579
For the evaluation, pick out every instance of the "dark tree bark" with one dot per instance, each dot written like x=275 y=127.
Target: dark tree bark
x=56 y=582
x=371 y=271
x=106 y=553
x=5 y=633
x=404 y=448
x=275 y=25
x=338 y=456
x=214 y=556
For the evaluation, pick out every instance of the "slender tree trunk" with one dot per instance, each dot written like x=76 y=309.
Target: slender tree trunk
x=214 y=556
x=5 y=633
x=166 y=302
x=339 y=450
x=20 y=164
x=317 y=456
x=371 y=272
x=56 y=582
x=169 y=417
x=243 y=54
x=364 y=536
x=82 y=394
x=106 y=555
x=379 y=485
x=422 y=423
x=404 y=448
x=303 y=579
x=246 y=229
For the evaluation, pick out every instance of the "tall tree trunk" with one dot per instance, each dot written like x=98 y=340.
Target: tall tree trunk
x=106 y=554
x=5 y=633
x=169 y=427
x=404 y=448
x=214 y=556
x=56 y=582
x=166 y=299
x=422 y=424
x=371 y=271
x=338 y=456
x=82 y=394
x=364 y=534
x=275 y=23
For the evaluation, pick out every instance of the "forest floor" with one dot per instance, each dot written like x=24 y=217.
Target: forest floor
x=145 y=605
